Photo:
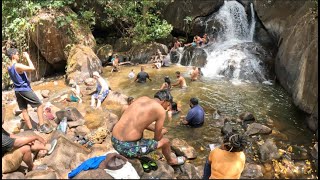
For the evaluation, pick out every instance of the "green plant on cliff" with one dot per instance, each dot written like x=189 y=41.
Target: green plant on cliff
x=138 y=20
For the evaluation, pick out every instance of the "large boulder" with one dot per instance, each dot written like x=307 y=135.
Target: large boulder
x=41 y=174
x=164 y=171
x=247 y=118
x=177 y=11
x=64 y=153
x=142 y=53
x=104 y=52
x=82 y=62
x=182 y=148
x=52 y=34
x=293 y=24
x=71 y=113
x=194 y=57
x=251 y=171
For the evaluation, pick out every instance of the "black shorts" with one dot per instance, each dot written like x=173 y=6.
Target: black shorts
x=27 y=97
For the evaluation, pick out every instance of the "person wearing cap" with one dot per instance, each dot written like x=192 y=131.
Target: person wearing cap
x=22 y=88
x=16 y=149
x=228 y=160
x=195 y=116
x=127 y=134
x=102 y=90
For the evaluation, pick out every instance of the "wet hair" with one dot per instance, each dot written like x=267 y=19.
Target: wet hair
x=178 y=72
x=11 y=52
x=174 y=106
x=164 y=95
x=194 y=101
x=234 y=142
x=130 y=100
x=167 y=80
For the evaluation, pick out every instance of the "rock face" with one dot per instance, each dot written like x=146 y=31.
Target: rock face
x=177 y=11
x=182 y=148
x=82 y=62
x=52 y=37
x=293 y=24
x=194 y=57
x=142 y=54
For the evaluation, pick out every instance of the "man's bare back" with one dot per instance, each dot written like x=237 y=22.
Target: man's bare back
x=137 y=117
x=194 y=74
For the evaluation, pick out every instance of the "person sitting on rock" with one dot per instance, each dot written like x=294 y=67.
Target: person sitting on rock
x=16 y=149
x=195 y=116
x=22 y=89
x=102 y=90
x=142 y=76
x=75 y=94
x=227 y=161
x=127 y=134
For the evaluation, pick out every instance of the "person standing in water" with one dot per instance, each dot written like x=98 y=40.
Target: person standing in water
x=22 y=88
x=181 y=82
x=194 y=74
x=142 y=76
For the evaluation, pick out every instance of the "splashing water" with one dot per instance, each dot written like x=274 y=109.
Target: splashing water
x=230 y=56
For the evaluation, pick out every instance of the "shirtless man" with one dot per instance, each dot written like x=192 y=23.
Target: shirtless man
x=127 y=134
x=194 y=74
x=181 y=82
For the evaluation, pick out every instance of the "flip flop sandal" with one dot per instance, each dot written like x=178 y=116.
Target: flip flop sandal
x=153 y=165
x=145 y=164
x=53 y=145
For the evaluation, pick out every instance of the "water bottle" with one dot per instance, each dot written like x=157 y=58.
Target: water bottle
x=63 y=125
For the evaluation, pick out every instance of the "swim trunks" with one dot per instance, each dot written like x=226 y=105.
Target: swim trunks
x=103 y=96
x=133 y=149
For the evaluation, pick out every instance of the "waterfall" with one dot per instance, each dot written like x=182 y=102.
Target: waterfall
x=253 y=22
x=233 y=54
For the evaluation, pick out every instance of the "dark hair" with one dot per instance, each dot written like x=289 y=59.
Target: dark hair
x=163 y=95
x=11 y=52
x=167 y=80
x=177 y=72
x=234 y=142
x=194 y=101
x=174 y=106
x=130 y=99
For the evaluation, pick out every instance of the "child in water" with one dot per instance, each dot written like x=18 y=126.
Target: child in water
x=173 y=110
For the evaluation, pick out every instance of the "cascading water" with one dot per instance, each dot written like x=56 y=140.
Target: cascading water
x=233 y=54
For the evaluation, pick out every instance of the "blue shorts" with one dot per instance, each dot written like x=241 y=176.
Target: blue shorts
x=102 y=97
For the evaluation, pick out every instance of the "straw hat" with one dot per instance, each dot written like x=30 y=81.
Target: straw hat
x=113 y=161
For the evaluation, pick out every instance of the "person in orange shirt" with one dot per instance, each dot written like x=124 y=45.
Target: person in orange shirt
x=227 y=161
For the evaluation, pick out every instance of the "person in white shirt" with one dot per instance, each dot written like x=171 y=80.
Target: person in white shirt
x=131 y=74
x=102 y=90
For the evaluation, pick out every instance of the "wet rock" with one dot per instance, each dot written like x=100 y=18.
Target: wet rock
x=251 y=171
x=216 y=114
x=64 y=154
x=246 y=119
x=299 y=153
x=164 y=171
x=90 y=82
x=45 y=93
x=194 y=57
x=227 y=128
x=82 y=62
x=82 y=130
x=71 y=113
x=269 y=151
x=219 y=123
x=256 y=128
x=142 y=53
x=182 y=148
x=41 y=174
x=14 y=175
x=93 y=174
